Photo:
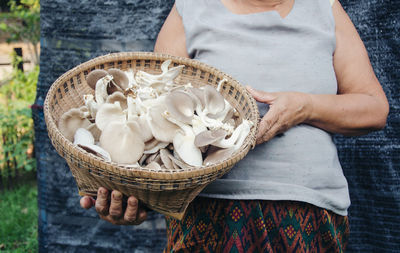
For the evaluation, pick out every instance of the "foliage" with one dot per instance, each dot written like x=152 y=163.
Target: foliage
x=22 y=23
x=18 y=219
x=16 y=125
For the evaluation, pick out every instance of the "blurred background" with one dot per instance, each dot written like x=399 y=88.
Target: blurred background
x=39 y=202
x=19 y=70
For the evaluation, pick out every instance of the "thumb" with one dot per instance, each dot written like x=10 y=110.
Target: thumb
x=261 y=96
x=87 y=202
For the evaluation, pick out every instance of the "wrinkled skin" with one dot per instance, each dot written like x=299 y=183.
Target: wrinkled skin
x=111 y=207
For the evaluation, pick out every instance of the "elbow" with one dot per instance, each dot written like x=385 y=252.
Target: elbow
x=382 y=115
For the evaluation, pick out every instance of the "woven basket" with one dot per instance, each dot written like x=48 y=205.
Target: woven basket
x=166 y=191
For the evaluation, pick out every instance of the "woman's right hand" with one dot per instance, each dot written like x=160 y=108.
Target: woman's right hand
x=111 y=208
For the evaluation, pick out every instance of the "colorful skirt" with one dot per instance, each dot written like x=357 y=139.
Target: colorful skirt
x=219 y=225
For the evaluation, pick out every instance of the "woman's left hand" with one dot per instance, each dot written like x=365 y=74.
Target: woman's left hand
x=286 y=109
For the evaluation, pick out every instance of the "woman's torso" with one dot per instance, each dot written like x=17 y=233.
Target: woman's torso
x=274 y=54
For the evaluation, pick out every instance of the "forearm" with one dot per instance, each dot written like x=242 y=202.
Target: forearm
x=348 y=114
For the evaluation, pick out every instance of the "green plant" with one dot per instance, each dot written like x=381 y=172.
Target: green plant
x=16 y=125
x=22 y=23
x=18 y=219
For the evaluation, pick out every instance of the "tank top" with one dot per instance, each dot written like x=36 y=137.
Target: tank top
x=274 y=54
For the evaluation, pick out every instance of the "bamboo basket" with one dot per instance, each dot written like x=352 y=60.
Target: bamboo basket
x=166 y=191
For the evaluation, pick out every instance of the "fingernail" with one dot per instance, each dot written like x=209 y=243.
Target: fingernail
x=117 y=195
x=103 y=191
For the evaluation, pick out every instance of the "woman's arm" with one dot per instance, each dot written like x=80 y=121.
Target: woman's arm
x=359 y=107
x=171 y=38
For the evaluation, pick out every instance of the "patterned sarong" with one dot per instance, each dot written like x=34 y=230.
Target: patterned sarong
x=217 y=225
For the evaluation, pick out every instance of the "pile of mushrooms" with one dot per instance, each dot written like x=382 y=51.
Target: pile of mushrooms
x=148 y=120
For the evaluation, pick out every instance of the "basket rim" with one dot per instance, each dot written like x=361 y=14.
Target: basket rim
x=56 y=136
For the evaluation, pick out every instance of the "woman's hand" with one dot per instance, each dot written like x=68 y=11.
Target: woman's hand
x=286 y=109
x=113 y=211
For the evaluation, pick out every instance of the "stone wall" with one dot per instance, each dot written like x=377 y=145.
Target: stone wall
x=75 y=31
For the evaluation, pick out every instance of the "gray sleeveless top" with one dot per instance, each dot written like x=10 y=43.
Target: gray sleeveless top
x=274 y=54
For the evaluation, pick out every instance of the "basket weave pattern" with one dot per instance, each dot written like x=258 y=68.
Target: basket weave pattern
x=166 y=191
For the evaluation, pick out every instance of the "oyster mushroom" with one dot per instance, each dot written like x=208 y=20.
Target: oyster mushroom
x=230 y=145
x=237 y=138
x=122 y=141
x=120 y=78
x=209 y=137
x=198 y=95
x=184 y=143
x=153 y=166
x=131 y=78
x=94 y=76
x=109 y=113
x=214 y=101
x=150 y=144
x=161 y=128
x=153 y=158
x=164 y=156
x=95 y=131
x=91 y=105
x=167 y=75
x=118 y=82
x=218 y=155
x=178 y=163
x=156 y=148
x=118 y=97
x=96 y=150
x=180 y=105
x=83 y=136
x=71 y=120
x=100 y=92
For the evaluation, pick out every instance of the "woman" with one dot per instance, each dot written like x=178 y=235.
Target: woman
x=310 y=73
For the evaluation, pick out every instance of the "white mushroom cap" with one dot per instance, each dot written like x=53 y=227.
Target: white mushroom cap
x=94 y=76
x=237 y=138
x=109 y=113
x=131 y=78
x=83 y=136
x=150 y=144
x=189 y=153
x=96 y=150
x=91 y=105
x=184 y=143
x=198 y=95
x=161 y=128
x=167 y=75
x=178 y=163
x=144 y=126
x=198 y=125
x=214 y=101
x=119 y=77
x=156 y=148
x=118 y=97
x=71 y=120
x=164 y=156
x=153 y=166
x=100 y=92
x=123 y=141
x=95 y=131
x=181 y=106
x=209 y=137
x=218 y=155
